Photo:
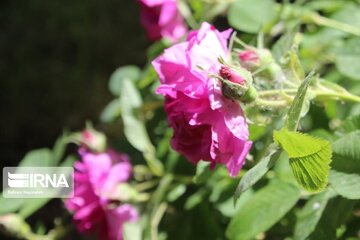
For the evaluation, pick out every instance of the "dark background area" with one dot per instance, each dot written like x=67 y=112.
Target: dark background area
x=56 y=59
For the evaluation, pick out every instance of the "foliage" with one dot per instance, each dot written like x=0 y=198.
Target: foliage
x=301 y=179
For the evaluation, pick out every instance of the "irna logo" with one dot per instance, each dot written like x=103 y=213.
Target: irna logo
x=35 y=180
x=38 y=182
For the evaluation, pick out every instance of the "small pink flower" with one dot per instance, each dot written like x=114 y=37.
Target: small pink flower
x=95 y=177
x=207 y=126
x=161 y=19
x=228 y=74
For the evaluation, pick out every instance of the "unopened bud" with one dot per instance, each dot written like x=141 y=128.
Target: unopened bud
x=237 y=84
x=249 y=59
x=238 y=92
x=228 y=74
x=93 y=140
x=89 y=139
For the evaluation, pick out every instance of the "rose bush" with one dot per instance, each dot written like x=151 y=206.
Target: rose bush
x=258 y=110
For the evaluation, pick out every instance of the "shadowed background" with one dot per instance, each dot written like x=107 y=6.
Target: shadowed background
x=56 y=59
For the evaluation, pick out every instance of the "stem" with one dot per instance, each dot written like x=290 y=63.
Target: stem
x=146 y=185
x=327 y=22
x=276 y=92
x=341 y=96
x=156 y=220
x=271 y=103
x=186 y=13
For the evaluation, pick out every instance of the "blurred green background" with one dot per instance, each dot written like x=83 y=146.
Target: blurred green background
x=56 y=59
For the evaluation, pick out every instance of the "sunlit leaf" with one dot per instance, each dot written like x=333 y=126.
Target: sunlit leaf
x=310 y=158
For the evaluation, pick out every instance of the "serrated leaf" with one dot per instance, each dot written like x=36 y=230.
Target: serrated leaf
x=127 y=72
x=258 y=171
x=251 y=15
x=346 y=185
x=309 y=216
x=345 y=176
x=347 y=153
x=294 y=114
x=263 y=210
x=310 y=158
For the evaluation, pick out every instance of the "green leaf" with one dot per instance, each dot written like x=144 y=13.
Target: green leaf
x=59 y=150
x=32 y=205
x=263 y=210
x=347 y=153
x=258 y=171
x=37 y=158
x=128 y=72
x=295 y=110
x=283 y=45
x=337 y=211
x=347 y=58
x=176 y=192
x=134 y=128
x=10 y=205
x=309 y=216
x=111 y=111
x=203 y=172
x=195 y=199
x=310 y=158
x=350 y=124
x=251 y=15
x=132 y=231
x=346 y=185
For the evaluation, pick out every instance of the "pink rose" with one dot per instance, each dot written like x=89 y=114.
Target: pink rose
x=161 y=19
x=95 y=177
x=207 y=126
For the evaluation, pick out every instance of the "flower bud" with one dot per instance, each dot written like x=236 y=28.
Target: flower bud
x=89 y=139
x=249 y=59
x=227 y=73
x=236 y=87
x=93 y=140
